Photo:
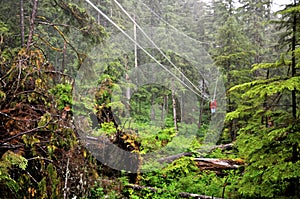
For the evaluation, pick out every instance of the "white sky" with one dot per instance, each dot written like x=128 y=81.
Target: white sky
x=278 y=4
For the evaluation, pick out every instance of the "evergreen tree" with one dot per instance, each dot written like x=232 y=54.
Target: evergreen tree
x=233 y=56
x=270 y=139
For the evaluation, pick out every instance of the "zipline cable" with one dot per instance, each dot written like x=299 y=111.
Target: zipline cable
x=215 y=91
x=180 y=32
x=173 y=27
x=120 y=29
x=153 y=43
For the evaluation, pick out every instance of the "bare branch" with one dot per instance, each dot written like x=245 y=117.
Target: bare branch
x=41 y=158
x=8 y=146
x=25 y=132
x=66 y=179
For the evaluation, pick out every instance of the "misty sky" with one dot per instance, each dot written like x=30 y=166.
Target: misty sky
x=278 y=3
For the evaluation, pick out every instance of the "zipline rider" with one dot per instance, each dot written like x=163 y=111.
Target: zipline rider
x=213 y=106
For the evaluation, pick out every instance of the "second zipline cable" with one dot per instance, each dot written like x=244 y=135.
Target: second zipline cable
x=120 y=29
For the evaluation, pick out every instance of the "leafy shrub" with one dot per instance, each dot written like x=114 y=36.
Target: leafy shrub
x=63 y=94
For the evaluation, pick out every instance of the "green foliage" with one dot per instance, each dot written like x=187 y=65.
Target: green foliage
x=3 y=28
x=8 y=160
x=268 y=134
x=217 y=153
x=271 y=167
x=180 y=167
x=106 y=128
x=63 y=94
x=268 y=140
x=184 y=176
x=54 y=179
x=97 y=193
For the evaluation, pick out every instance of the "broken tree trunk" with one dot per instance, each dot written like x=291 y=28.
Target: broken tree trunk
x=181 y=194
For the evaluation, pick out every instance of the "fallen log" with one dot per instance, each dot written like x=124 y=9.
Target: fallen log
x=223 y=147
x=218 y=164
x=214 y=164
x=171 y=158
x=181 y=194
x=192 y=195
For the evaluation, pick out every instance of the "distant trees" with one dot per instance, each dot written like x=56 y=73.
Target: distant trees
x=43 y=45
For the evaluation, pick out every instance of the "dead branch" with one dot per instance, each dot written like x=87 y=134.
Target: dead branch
x=25 y=132
x=66 y=179
x=8 y=146
x=41 y=158
x=62 y=74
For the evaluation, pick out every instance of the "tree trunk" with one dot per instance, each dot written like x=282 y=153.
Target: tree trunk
x=201 y=107
x=98 y=14
x=294 y=105
x=63 y=64
x=31 y=26
x=174 y=107
x=181 y=108
x=200 y=113
x=162 y=118
x=295 y=182
x=127 y=79
x=167 y=105
x=22 y=23
x=152 y=108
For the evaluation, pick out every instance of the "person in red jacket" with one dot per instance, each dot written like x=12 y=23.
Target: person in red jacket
x=213 y=106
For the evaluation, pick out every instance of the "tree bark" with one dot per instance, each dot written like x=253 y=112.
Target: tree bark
x=295 y=183
x=294 y=105
x=174 y=107
x=162 y=117
x=63 y=64
x=217 y=164
x=201 y=107
x=31 y=26
x=22 y=23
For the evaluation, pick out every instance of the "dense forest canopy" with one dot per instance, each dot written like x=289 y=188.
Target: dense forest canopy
x=149 y=99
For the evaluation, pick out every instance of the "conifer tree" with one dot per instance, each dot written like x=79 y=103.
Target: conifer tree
x=271 y=146
x=233 y=56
